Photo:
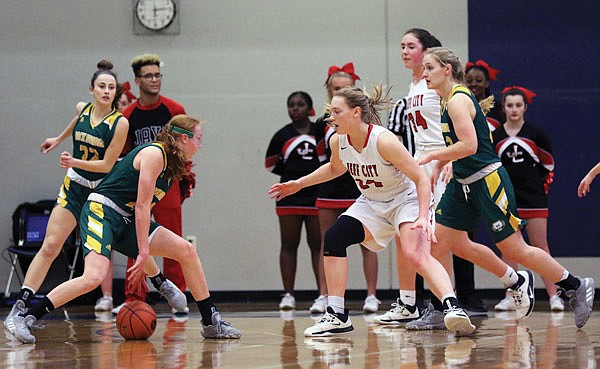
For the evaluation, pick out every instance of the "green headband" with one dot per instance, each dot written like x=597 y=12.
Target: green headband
x=182 y=131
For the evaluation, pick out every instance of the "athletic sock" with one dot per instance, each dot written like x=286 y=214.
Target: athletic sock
x=40 y=309
x=207 y=309
x=408 y=297
x=336 y=303
x=157 y=280
x=569 y=282
x=437 y=304
x=450 y=302
x=510 y=277
x=26 y=294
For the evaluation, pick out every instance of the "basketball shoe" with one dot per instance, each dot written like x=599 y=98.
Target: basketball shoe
x=456 y=319
x=176 y=299
x=522 y=294
x=581 y=300
x=430 y=319
x=220 y=329
x=22 y=328
x=17 y=308
x=399 y=314
x=330 y=324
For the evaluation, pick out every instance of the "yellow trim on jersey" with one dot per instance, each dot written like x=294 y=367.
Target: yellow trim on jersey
x=61 y=198
x=164 y=151
x=109 y=118
x=493 y=182
x=93 y=244
x=502 y=201
x=95 y=227
x=112 y=118
x=97 y=209
x=67 y=182
x=460 y=88
x=514 y=222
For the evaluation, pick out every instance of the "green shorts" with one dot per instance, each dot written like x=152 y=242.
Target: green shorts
x=72 y=196
x=103 y=230
x=492 y=198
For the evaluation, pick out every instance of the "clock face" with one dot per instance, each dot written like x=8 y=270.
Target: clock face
x=155 y=14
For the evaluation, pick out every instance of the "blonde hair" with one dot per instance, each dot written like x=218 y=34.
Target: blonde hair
x=370 y=103
x=487 y=104
x=142 y=60
x=445 y=56
x=176 y=161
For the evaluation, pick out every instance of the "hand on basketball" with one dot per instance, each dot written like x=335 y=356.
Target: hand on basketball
x=49 y=144
x=280 y=190
x=137 y=275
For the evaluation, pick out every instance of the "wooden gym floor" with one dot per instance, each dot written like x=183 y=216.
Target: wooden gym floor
x=74 y=337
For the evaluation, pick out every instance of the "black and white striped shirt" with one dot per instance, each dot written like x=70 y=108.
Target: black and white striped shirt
x=398 y=124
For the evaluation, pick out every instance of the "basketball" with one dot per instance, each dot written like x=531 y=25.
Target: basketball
x=136 y=320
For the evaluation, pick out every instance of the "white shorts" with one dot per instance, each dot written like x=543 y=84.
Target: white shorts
x=383 y=219
x=440 y=186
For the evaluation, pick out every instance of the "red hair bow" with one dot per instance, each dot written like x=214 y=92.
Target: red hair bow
x=528 y=93
x=348 y=68
x=492 y=72
x=127 y=91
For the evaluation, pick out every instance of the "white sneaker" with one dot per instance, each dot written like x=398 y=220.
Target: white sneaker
x=330 y=324
x=398 y=314
x=556 y=303
x=319 y=305
x=456 y=319
x=522 y=295
x=104 y=303
x=288 y=302
x=506 y=304
x=371 y=304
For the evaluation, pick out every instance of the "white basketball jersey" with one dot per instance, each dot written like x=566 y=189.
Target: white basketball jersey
x=423 y=111
x=376 y=178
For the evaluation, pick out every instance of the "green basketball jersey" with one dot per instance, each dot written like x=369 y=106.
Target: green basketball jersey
x=90 y=142
x=485 y=155
x=121 y=184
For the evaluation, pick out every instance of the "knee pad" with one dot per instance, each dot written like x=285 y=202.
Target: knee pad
x=344 y=232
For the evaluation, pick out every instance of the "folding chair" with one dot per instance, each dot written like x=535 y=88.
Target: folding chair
x=29 y=229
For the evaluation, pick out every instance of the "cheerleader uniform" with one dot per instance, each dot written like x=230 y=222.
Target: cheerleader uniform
x=529 y=161
x=340 y=192
x=292 y=155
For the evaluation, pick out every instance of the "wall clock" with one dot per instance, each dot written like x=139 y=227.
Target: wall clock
x=156 y=16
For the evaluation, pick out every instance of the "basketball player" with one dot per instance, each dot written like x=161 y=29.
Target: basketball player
x=395 y=200
x=335 y=196
x=99 y=133
x=116 y=217
x=480 y=186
